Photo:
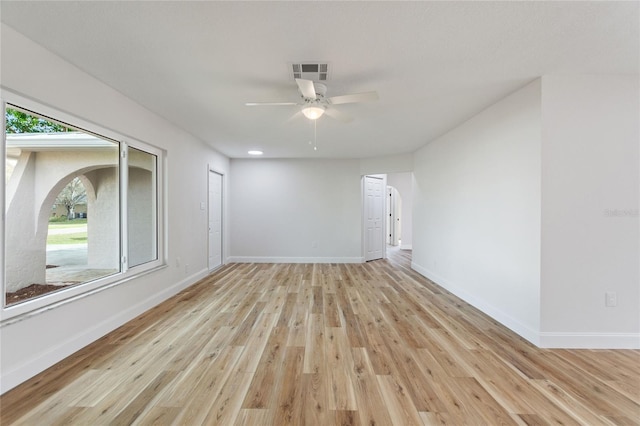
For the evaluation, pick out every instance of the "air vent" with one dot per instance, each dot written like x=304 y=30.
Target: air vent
x=315 y=71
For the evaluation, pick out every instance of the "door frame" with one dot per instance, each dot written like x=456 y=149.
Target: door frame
x=210 y=170
x=363 y=191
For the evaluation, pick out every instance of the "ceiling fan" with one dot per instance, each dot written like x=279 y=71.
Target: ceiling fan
x=314 y=102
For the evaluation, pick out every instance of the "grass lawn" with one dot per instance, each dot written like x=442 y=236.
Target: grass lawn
x=58 y=236
x=68 y=224
x=75 y=238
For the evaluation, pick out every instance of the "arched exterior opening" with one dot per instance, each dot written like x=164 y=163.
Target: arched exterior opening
x=46 y=164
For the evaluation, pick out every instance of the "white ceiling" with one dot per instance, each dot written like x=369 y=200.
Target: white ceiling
x=434 y=64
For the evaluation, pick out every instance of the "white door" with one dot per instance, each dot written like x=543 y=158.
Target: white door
x=393 y=212
x=395 y=216
x=215 y=220
x=388 y=210
x=374 y=216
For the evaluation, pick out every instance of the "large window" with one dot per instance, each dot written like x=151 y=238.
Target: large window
x=81 y=208
x=142 y=207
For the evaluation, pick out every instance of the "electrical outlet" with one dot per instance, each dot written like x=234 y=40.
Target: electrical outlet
x=314 y=244
x=611 y=299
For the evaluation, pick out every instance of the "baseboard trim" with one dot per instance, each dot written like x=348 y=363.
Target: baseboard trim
x=269 y=259
x=406 y=247
x=508 y=321
x=547 y=340
x=569 y=340
x=37 y=364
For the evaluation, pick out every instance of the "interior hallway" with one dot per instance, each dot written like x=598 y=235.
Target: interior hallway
x=373 y=343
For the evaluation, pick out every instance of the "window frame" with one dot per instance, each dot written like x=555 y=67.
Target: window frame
x=34 y=306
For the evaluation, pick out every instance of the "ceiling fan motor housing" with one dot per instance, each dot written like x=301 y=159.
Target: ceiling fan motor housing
x=321 y=92
x=321 y=89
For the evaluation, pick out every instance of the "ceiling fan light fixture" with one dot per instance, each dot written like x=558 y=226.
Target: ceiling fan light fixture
x=313 y=112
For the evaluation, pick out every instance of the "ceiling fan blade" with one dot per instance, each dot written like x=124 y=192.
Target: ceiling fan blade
x=356 y=97
x=269 y=103
x=294 y=117
x=340 y=116
x=307 y=88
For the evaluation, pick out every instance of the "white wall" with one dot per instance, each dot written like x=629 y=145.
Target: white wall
x=37 y=341
x=590 y=222
x=387 y=164
x=285 y=210
x=476 y=217
x=529 y=211
x=403 y=183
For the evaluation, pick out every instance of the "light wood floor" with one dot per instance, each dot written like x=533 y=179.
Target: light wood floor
x=370 y=344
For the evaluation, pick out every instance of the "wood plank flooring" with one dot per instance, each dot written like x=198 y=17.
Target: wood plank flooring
x=325 y=344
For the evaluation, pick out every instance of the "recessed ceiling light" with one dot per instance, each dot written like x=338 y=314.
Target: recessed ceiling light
x=255 y=152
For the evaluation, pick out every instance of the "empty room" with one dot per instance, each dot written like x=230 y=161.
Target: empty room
x=320 y=213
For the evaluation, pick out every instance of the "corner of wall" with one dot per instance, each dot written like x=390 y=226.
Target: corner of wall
x=494 y=312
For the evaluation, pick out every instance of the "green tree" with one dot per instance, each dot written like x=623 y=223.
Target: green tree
x=22 y=122
x=72 y=195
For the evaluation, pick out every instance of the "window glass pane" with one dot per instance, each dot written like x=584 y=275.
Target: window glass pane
x=142 y=207
x=62 y=223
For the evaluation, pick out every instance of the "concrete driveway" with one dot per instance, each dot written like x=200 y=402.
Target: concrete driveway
x=67 y=254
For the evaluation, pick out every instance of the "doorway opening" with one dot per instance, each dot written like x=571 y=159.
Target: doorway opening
x=388 y=197
x=374 y=224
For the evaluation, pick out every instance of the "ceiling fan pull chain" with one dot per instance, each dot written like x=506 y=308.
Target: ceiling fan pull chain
x=315 y=135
